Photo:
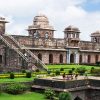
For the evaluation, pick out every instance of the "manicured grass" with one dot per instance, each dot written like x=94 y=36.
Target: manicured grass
x=70 y=66
x=26 y=96
x=16 y=80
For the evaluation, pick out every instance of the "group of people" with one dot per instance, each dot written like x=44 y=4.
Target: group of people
x=70 y=77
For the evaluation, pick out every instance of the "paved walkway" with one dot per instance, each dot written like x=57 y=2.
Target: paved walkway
x=78 y=78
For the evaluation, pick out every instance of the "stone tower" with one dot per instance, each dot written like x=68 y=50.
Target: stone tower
x=2 y=25
x=41 y=27
x=95 y=37
x=71 y=34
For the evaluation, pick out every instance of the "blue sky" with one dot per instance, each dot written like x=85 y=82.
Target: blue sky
x=84 y=14
x=92 y=5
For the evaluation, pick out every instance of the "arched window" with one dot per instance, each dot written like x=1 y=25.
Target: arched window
x=46 y=35
x=0 y=59
x=36 y=35
x=61 y=58
x=89 y=58
x=96 y=58
x=72 y=58
x=50 y=58
x=40 y=56
x=80 y=59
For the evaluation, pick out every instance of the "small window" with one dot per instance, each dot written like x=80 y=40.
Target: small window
x=46 y=35
x=36 y=35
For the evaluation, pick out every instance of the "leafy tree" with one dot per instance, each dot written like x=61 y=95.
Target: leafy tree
x=65 y=96
x=49 y=94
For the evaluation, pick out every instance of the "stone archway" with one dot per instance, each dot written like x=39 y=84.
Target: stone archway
x=80 y=59
x=40 y=56
x=72 y=58
x=61 y=58
x=0 y=59
x=50 y=58
x=77 y=98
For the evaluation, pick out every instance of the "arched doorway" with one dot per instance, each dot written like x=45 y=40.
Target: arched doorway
x=89 y=58
x=80 y=59
x=50 y=58
x=96 y=58
x=72 y=58
x=0 y=59
x=40 y=56
x=77 y=98
x=61 y=58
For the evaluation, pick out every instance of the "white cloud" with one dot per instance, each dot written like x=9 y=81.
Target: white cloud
x=61 y=13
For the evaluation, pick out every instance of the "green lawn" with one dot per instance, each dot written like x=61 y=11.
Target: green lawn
x=26 y=96
x=70 y=66
x=4 y=80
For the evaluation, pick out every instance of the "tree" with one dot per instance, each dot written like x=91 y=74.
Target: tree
x=65 y=96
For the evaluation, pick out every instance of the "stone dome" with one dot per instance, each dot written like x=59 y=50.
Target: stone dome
x=40 y=19
x=40 y=22
x=72 y=29
x=97 y=33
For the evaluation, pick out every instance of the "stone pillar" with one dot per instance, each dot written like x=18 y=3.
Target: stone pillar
x=76 y=58
x=68 y=56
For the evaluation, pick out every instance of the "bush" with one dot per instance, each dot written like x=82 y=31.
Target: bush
x=96 y=72
x=28 y=74
x=12 y=76
x=73 y=69
x=70 y=72
x=61 y=69
x=81 y=70
x=49 y=71
x=23 y=71
x=92 y=69
x=37 y=70
x=65 y=96
x=49 y=94
x=57 y=72
x=15 y=88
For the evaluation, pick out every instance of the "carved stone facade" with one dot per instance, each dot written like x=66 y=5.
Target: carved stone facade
x=42 y=43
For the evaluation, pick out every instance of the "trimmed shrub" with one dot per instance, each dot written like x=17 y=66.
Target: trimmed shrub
x=57 y=72
x=28 y=74
x=73 y=69
x=70 y=72
x=92 y=69
x=81 y=70
x=96 y=72
x=37 y=70
x=61 y=69
x=12 y=76
x=49 y=71
x=65 y=96
x=49 y=94
x=15 y=88
x=23 y=71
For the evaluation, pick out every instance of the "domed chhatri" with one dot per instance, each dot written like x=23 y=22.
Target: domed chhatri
x=41 y=27
x=40 y=21
x=95 y=36
x=72 y=29
x=96 y=33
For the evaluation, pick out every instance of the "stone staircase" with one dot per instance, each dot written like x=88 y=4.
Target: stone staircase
x=28 y=56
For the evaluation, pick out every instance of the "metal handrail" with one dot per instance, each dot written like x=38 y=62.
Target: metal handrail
x=28 y=51
x=13 y=47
